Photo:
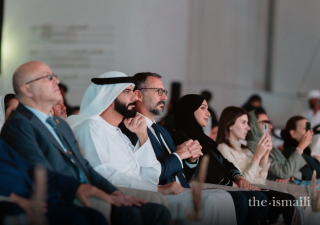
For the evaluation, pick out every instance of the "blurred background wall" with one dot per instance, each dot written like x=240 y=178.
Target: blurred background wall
x=219 y=45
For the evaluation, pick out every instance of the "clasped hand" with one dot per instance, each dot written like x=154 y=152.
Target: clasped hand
x=189 y=150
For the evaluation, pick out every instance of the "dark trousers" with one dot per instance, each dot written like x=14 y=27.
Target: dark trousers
x=74 y=215
x=247 y=211
x=9 y=209
x=147 y=214
x=277 y=206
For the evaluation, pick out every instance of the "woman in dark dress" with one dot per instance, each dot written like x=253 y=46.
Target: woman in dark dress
x=190 y=116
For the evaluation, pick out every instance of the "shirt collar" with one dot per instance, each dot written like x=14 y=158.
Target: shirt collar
x=41 y=116
x=148 y=121
x=98 y=117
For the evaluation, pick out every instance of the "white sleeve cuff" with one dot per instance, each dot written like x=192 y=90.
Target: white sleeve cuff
x=193 y=165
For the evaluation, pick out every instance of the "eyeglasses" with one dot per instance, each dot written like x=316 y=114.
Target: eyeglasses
x=160 y=91
x=265 y=121
x=50 y=77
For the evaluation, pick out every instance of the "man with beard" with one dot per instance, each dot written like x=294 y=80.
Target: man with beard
x=179 y=164
x=101 y=141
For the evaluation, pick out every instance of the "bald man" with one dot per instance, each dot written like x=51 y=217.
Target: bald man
x=48 y=140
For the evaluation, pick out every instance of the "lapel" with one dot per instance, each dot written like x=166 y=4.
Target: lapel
x=37 y=123
x=166 y=139
x=155 y=143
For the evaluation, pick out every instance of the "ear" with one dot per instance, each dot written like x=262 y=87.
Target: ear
x=138 y=94
x=293 y=134
x=26 y=90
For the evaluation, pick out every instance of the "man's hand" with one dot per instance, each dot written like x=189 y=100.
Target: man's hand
x=138 y=126
x=127 y=200
x=171 y=188
x=86 y=191
x=27 y=205
x=189 y=149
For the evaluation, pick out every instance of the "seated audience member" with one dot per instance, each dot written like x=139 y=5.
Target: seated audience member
x=8 y=103
x=233 y=127
x=151 y=101
x=64 y=90
x=106 y=103
x=254 y=102
x=208 y=96
x=74 y=111
x=16 y=182
x=281 y=169
x=313 y=113
x=49 y=141
x=214 y=131
x=191 y=115
x=315 y=145
x=59 y=110
x=297 y=138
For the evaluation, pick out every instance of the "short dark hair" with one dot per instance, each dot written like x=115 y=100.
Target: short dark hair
x=207 y=95
x=63 y=86
x=254 y=98
x=7 y=99
x=259 y=111
x=141 y=78
x=228 y=118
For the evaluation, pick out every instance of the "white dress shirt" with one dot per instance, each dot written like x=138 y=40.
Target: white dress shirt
x=111 y=154
x=149 y=125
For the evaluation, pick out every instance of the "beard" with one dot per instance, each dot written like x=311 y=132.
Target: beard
x=152 y=107
x=124 y=110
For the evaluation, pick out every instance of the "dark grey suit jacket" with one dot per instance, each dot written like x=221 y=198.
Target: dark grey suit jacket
x=27 y=135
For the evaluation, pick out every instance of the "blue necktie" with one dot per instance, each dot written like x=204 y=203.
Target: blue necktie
x=184 y=183
x=54 y=125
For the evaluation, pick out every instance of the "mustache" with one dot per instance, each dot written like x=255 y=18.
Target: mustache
x=161 y=102
x=132 y=103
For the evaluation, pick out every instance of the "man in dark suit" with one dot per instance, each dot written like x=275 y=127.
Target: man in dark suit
x=16 y=182
x=49 y=141
x=177 y=163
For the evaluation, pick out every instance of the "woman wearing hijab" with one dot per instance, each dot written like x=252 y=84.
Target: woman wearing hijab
x=8 y=103
x=190 y=116
x=281 y=168
x=297 y=138
x=233 y=127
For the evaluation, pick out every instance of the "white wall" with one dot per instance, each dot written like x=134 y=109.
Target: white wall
x=149 y=36
x=227 y=48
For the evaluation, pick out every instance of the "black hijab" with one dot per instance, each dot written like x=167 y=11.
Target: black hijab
x=185 y=121
x=220 y=170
